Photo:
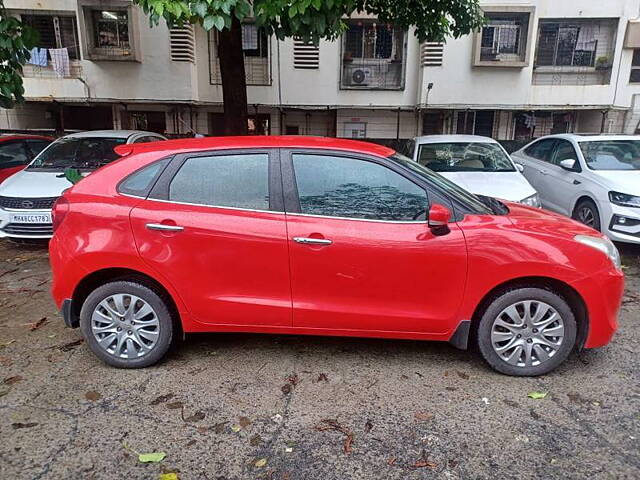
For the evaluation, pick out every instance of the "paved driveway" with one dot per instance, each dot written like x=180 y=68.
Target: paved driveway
x=277 y=407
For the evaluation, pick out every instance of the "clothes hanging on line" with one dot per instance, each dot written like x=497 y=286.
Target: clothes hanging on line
x=38 y=57
x=60 y=61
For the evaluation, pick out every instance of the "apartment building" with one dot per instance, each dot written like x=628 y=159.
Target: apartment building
x=537 y=67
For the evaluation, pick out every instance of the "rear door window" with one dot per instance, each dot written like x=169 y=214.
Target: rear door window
x=541 y=150
x=235 y=180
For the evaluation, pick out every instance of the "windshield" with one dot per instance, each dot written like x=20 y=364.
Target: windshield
x=444 y=184
x=464 y=157
x=82 y=153
x=612 y=154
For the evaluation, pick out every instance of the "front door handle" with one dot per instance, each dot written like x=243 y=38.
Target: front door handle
x=312 y=241
x=164 y=228
x=543 y=172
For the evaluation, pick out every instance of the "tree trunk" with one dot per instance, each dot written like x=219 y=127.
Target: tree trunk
x=234 y=84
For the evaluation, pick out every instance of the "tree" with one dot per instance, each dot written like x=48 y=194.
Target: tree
x=16 y=40
x=311 y=20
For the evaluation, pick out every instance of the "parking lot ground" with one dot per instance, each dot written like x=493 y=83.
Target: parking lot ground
x=288 y=407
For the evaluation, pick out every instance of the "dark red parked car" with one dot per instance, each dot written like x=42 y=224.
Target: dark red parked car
x=321 y=237
x=17 y=151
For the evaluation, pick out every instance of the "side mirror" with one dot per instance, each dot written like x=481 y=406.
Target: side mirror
x=520 y=167
x=568 y=164
x=439 y=219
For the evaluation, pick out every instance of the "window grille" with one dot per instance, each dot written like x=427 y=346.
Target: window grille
x=373 y=56
x=257 y=65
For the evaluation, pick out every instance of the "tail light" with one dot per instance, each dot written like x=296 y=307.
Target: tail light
x=59 y=211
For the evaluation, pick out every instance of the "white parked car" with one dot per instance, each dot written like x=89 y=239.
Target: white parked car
x=594 y=179
x=26 y=197
x=477 y=164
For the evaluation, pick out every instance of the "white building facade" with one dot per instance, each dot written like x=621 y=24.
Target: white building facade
x=537 y=67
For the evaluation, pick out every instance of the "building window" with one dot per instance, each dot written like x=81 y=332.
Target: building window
x=373 y=56
x=475 y=123
x=576 y=43
x=109 y=30
x=635 y=67
x=255 y=46
x=55 y=31
x=505 y=39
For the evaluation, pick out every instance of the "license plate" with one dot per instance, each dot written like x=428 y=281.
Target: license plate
x=32 y=218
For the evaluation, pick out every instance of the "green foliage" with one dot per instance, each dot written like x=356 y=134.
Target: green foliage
x=316 y=19
x=16 y=40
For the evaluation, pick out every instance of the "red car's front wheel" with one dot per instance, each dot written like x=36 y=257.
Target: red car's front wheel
x=526 y=331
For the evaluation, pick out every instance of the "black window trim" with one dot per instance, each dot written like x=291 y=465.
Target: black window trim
x=291 y=197
x=553 y=163
x=145 y=192
x=160 y=190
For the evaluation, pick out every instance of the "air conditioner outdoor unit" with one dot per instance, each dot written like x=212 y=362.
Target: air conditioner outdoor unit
x=364 y=76
x=360 y=76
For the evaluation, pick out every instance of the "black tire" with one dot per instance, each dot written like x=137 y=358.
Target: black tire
x=510 y=297
x=157 y=303
x=586 y=209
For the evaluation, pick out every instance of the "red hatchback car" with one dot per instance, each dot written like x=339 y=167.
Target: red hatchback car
x=320 y=236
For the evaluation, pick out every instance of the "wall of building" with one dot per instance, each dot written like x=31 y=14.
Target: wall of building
x=458 y=83
x=31 y=116
x=314 y=101
x=155 y=77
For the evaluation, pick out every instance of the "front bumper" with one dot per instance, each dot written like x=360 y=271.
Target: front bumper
x=602 y=294
x=11 y=229
x=623 y=224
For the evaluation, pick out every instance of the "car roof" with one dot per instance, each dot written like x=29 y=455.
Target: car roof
x=454 y=139
x=257 y=141
x=110 y=134
x=590 y=138
x=20 y=136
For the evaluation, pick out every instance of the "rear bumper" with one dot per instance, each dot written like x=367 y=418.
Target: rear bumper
x=602 y=294
x=66 y=273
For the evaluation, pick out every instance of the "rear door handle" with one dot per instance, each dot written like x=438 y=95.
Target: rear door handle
x=543 y=172
x=164 y=228
x=312 y=241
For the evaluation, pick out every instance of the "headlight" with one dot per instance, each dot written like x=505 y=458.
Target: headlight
x=624 y=200
x=605 y=245
x=532 y=201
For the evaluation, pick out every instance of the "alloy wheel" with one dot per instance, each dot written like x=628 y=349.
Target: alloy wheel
x=125 y=326
x=527 y=333
x=586 y=216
